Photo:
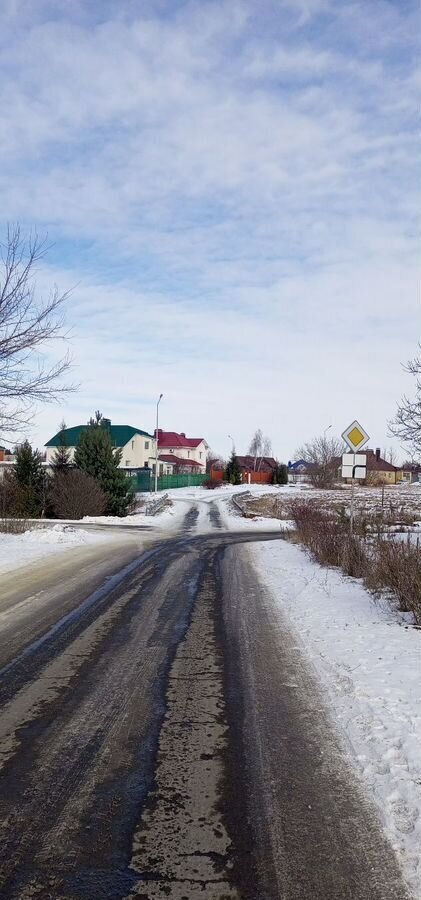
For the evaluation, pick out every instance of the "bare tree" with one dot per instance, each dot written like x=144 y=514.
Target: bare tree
x=407 y=423
x=260 y=446
x=322 y=456
x=27 y=324
x=390 y=455
x=267 y=446
x=256 y=445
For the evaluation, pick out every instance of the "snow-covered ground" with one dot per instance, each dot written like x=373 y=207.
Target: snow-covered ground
x=369 y=660
x=17 y=550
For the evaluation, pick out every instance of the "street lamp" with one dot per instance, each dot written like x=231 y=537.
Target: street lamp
x=326 y=429
x=232 y=439
x=156 y=443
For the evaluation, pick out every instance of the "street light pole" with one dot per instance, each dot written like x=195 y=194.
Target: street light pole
x=231 y=439
x=156 y=443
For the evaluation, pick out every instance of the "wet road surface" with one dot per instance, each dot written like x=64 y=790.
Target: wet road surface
x=161 y=736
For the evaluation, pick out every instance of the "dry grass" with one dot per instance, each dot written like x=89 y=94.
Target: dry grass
x=388 y=566
x=14 y=526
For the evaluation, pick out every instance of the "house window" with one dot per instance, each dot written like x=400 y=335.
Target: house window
x=188 y=453
x=171 y=451
x=200 y=455
x=146 y=445
x=132 y=445
x=127 y=462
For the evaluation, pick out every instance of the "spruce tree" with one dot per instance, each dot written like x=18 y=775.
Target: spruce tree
x=280 y=474
x=61 y=460
x=29 y=474
x=96 y=456
x=233 y=472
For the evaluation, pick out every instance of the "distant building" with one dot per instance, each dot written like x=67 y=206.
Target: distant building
x=137 y=446
x=250 y=464
x=411 y=472
x=188 y=455
x=379 y=470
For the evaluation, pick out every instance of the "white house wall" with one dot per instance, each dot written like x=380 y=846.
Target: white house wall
x=138 y=451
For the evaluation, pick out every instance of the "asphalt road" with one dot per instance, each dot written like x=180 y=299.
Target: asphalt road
x=161 y=736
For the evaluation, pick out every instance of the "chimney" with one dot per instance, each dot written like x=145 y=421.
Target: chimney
x=182 y=434
x=377 y=452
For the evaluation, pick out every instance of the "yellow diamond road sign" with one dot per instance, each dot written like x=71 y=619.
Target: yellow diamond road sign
x=355 y=436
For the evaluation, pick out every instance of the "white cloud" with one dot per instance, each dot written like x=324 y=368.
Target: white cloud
x=233 y=188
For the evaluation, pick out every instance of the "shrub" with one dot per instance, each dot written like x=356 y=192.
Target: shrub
x=395 y=566
x=13 y=526
x=385 y=563
x=75 y=494
x=211 y=483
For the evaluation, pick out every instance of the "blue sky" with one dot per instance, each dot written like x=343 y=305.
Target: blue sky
x=233 y=190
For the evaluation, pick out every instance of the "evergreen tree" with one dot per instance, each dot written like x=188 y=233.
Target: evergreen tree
x=280 y=474
x=29 y=474
x=233 y=472
x=61 y=460
x=96 y=456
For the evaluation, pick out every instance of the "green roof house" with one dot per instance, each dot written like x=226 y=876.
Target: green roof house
x=137 y=446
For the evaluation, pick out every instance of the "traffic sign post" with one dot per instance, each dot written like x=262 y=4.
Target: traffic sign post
x=354 y=464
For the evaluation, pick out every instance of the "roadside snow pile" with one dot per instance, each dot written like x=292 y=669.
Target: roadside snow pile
x=17 y=550
x=370 y=661
x=58 y=534
x=168 y=517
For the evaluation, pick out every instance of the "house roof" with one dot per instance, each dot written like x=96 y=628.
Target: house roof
x=178 y=460
x=300 y=464
x=173 y=439
x=120 y=435
x=375 y=463
x=261 y=464
x=378 y=464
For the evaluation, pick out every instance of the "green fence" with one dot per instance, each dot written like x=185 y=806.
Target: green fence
x=144 y=480
x=165 y=482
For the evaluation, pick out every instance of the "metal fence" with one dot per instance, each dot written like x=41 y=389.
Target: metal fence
x=165 y=482
x=144 y=480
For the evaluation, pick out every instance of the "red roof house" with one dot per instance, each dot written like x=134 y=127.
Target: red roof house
x=189 y=453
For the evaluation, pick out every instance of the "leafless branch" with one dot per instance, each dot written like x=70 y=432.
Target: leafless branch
x=27 y=325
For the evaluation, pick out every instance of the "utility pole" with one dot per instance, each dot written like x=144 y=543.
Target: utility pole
x=156 y=443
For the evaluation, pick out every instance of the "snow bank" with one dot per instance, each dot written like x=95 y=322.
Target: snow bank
x=370 y=662
x=17 y=550
x=168 y=518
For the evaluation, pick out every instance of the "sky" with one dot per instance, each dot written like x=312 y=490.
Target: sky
x=231 y=191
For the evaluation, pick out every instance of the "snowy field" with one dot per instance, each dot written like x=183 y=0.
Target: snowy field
x=369 y=661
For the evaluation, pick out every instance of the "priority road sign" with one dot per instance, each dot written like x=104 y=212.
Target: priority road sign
x=355 y=436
